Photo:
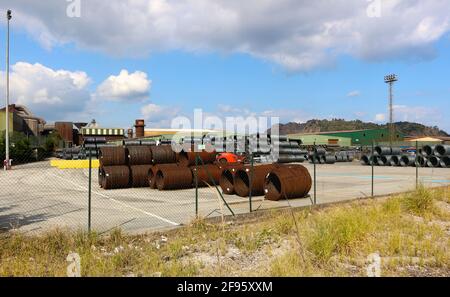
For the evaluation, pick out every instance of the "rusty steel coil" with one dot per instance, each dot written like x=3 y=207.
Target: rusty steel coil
x=242 y=180
x=139 y=155
x=188 y=158
x=226 y=180
x=174 y=178
x=163 y=154
x=205 y=173
x=154 y=169
x=139 y=176
x=115 y=177
x=287 y=182
x=113 y=156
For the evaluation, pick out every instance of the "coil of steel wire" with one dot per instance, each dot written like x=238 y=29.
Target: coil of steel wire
x=188 y=158
x=115 y=177
x=442 y=150
x=139 y=175
x=287 y=182
x=226 y=180
x=205 y=173
x=407 y=160
x=139 y=155
x=445 y=162
x=112 y=156
x=242 y=179
x=174 y=178
x=163 y=154
x=428 y=150
x=154 y=169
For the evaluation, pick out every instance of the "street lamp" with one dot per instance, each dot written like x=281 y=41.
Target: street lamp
x=7 y=162
x=391 y=79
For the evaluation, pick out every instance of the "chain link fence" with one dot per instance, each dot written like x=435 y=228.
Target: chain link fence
x=42 y=193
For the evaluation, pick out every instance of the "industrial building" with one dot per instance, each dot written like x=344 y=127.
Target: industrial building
x=21 y=119
x=347 y=138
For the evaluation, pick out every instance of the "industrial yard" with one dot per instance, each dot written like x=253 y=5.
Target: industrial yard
x=39 y=197
x=224 y=138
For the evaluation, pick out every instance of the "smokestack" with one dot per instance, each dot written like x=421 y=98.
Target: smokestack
x=139 y=126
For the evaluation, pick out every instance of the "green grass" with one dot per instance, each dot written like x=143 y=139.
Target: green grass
x=420 y=202
x=409 y=230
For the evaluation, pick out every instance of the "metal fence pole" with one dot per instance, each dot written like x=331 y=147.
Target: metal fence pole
x=196 y=185
x=251 y=183
x=373 y=166
x=417 y=167
x=314 y=163
x=89 y=190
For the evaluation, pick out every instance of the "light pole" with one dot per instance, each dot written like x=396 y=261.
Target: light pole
x=7 y=163
x=391 y=79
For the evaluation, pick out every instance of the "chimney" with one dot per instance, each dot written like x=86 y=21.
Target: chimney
x=140 y=124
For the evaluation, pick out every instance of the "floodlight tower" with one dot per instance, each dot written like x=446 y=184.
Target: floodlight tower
x=7 y=162
x=391 y=79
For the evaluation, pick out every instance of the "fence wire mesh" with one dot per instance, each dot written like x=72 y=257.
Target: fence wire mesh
x=43 y=192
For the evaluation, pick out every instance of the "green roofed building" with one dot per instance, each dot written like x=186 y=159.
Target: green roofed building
x=348 y=138
x=318 y=139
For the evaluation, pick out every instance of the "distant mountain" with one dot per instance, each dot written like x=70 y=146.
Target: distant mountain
x=314 y=126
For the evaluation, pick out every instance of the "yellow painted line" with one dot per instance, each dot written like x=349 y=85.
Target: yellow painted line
x=73 y=164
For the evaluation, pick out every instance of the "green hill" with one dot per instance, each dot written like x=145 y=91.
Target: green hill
x=314 y=126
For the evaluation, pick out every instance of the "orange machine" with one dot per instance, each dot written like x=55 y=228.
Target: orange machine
x=230 y=158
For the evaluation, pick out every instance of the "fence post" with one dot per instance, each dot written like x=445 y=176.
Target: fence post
x=314 y=163
x=196 y=185
x=251 y=182
x=417 y=167
x=372 y=165
x=89 y=190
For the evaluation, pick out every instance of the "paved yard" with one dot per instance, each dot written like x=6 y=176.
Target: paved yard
x=37 y=197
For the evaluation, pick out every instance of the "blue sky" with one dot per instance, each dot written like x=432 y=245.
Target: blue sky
x=224 y=81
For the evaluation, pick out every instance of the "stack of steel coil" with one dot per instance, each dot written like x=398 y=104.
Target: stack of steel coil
x=114 y=172
x=140 y=161
x=427 y=156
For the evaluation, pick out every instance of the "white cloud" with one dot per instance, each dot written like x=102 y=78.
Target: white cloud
x=48 y=93
x=354 y=94
x=125 y=87
x=380 y=117
x=297 y=34
x=420 y=114
x=417 y=113
x=159 y=116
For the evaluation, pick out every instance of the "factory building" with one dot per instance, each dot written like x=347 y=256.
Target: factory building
x=21 y=120
x=349 y=138
x=311 y=139
x=94 y=130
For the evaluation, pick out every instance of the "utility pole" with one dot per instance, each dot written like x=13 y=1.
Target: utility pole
x=391 y=79
x=7 y=162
